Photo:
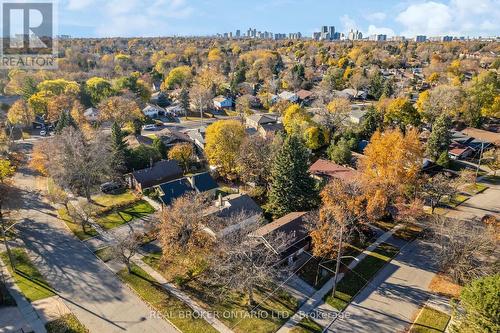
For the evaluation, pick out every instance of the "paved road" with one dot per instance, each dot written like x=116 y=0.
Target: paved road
x=91 y=291
x=394 y=295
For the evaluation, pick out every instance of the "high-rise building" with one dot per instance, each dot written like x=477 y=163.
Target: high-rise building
x=324 y=29
x=378 y=38
x=238 y=33
x=420 y=38
x=354 y=35
x=331 y=31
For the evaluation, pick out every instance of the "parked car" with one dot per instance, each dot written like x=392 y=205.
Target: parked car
x=149 y=127
x=111 y=187
x=43 y=132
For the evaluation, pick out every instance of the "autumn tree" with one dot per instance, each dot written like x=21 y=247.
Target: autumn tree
x=400 y=112
x=492 y=159
x=57 y=196
x=119 y=109
x=20 y=113
x=183 y=153
x=178 y=77
x=440 y=138
x=340 y=110
x=83 y=215
x=184 y=100
x=40 y=157
x=254 y=160
x=126 y=247
x=390 y=167
x=98 y=89
x=7 y=170
x=223 y=140
x=292 y=188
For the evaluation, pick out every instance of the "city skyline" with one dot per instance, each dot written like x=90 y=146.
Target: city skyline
x=201 y=18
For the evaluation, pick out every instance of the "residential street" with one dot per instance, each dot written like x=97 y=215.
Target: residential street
x=91 y=291
x=389 y=302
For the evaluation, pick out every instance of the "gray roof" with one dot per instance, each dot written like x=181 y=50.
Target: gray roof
x=161 y=172
x=238 y=204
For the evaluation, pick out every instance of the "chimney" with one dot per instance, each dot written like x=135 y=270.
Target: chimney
x=220 y=200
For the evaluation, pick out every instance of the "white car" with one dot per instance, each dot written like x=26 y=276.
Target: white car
x=43 y=132
x=150 y=127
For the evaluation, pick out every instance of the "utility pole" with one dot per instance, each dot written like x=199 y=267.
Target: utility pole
x=4 y=236
x=337 y=267
x=480 y=157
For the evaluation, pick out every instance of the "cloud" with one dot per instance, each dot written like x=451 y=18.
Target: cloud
x=374 y=30
x=79 y=4
x=377 y=16
x=459 y=17
x=348 y=23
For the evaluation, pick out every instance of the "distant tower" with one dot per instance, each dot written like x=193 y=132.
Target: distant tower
x=331 y=31
x=238 y=33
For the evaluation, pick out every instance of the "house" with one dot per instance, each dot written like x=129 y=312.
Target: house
x=356 y=116
x=482 y=135
x=198 y=137
x=153 y=111
x=91 y=115
x=173 y=190
x=134 y=141
x=233 y=205
x=352 y=94
x=159 y=98
x=268 y=131
x=288 y=96
x=257 y=120
x=203 y=183
x=460 y=152
x=159 y=173
x=327 y=170
x=172 y=137
x=294 y=227
x=222 y=102
x=305 y=96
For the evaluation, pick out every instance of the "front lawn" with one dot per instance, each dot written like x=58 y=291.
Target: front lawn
x=124 y=215
x=408 y=232
x=169 y=306
x=273 y=310
x=430 y=321
x=66 y=324
x=306 y=325
x=109 y=200
x=353 y=282
x=75 y=227
x=475 y=188
x=457 y=200
x=105 y=254
x=27 y=277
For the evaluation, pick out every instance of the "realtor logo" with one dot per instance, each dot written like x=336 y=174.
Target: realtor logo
x=28 y=34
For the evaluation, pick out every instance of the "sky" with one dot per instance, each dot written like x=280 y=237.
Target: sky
x=150 y=18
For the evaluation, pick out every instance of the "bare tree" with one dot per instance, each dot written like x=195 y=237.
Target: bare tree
x=436 y=188
x=82 y=215
x=57 y=195
x=243 y=262
x=467 y=249
x=126 y=248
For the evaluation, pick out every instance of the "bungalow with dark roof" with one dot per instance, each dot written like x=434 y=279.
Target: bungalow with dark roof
x=294 y=227
x=174 y=190
x=326 y=170
x=159 y=173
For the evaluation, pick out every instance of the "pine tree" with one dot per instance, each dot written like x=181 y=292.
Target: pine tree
x=292 y=188
x=119 y=147
x=65 y=120
x=160 y=146
x=184 y=99
x=440 y=138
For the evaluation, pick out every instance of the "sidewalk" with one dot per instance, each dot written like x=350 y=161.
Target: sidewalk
x=319 y=310
x=217 y=324
x=27 y=311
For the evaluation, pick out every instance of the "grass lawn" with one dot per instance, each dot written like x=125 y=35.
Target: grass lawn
x=276 y=307
x=105 y=254
x=385 y=225
x=136 y=210
x=306 y=325
x=459 y=166
x=169 y=306
x=75 y=227
x=27 y=277
x=66 y=324
x=430 y=321
x=353 y=282
x=108 y=200
x=455 y=201
x=475 y=188
x=409 y=232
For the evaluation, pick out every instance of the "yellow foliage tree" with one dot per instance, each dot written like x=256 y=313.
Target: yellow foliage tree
x=20 y=113
x=183 y=153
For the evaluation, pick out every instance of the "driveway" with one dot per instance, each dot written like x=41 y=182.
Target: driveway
x=90 y=290
x=390 y=301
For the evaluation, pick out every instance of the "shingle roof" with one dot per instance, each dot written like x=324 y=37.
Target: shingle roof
x=161 y=172
x=203 y=182
x=237 y=204
x=483 y=135
x=329 y=169
x=174 y=190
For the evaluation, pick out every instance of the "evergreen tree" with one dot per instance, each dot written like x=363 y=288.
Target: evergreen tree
x=119 y=148
x=65 y=120
x=370 y=123
x=440 y=138
x=184 y=99
x=292 y=188
x=340 y=153
x=160 y=147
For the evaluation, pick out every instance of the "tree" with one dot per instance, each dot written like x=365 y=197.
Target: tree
x=390 y=167
x=340 y=152
x=443 y=100
x=178 y=77
x=119 y=148
x=436 y=188
x=296 y=120
x=340 y=109
x=134 y=84
x=184 y=100
x=480 y=306
x=7 y=170
x=126 y=247
x=142 y=157
x=492 y=159
x=243 y=106
x=315 y=137
x=400 y=112
x=119 y=109
x=78 y=163
x=40 y=157
x=222 y=144
x=242 y=263
x=83 y=215
x=57 y=195
x=183 y=153
x=292 y=188
x=98 y=89
x=65 y=120
x=440 y=138
x=20 y=113
x=159 y=145
x=254 y=160
x=370 y=123
x=201 y=97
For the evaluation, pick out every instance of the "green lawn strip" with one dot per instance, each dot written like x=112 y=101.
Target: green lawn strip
x=408 y=232
x=105 y=254
x=272 y=312
x=385 y=225
x=430 y=321
x=457 y=200
x=75 y=227
x=136 y=210
x=353 y=282
x=27 y=277
x=66 y=324
x=473 y=189
x=306 y=325
x=169 y=306
x=108 y=200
